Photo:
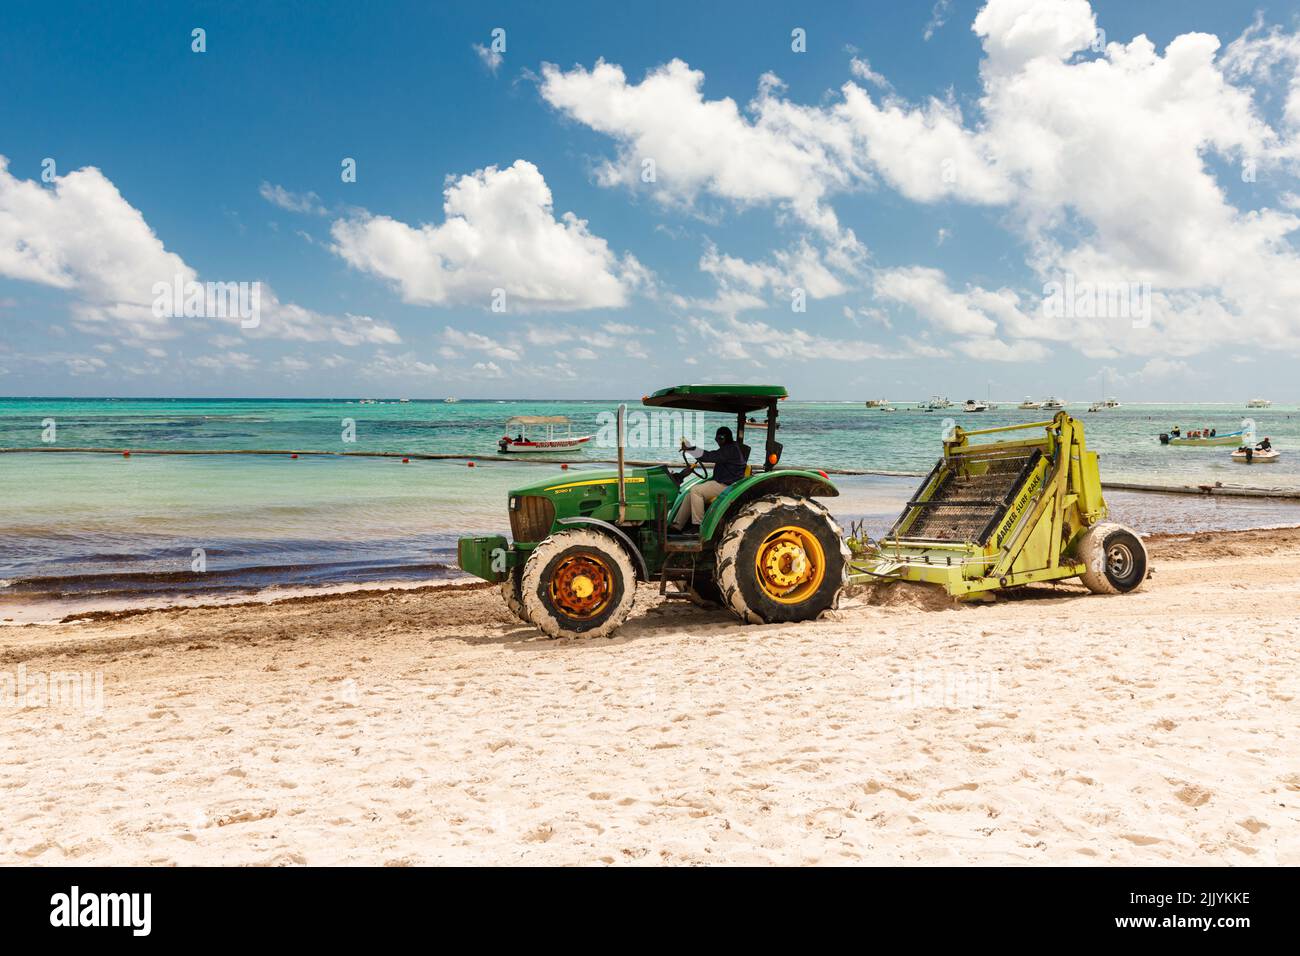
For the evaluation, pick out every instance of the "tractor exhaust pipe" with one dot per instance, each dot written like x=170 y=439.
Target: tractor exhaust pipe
x=622 y=484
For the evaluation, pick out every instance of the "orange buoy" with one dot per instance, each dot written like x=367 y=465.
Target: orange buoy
x=564 y=466
x=126 y=454
x=406 y=461
x=293 y=456
x=469 y=464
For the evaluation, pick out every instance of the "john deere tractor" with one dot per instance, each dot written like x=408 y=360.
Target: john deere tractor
x=767 y=550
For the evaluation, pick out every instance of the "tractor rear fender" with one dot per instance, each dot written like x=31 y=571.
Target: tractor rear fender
x=633 y=552
x=800 y=484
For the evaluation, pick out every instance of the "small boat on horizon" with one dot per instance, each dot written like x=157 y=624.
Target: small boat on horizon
x=521 y=443
x=1053 y=403
x=974 y=405
x=1259 y=403
x=1029 y=404
x=877 y=403
x=450 y=400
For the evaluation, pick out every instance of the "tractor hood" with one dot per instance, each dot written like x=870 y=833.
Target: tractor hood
x=553 y=482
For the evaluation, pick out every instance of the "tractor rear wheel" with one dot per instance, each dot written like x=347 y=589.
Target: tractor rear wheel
x=578 y=583
x=782 y=559
x=512 y=593
x=1115 y=557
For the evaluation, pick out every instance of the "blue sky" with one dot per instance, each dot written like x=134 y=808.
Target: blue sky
x=1120 y=166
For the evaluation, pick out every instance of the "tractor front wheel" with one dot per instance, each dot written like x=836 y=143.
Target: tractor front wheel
x=782 y=559
x=1115 y=557
x=578 y=583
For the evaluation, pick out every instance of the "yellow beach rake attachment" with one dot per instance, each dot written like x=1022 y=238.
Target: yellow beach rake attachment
x=999 y=514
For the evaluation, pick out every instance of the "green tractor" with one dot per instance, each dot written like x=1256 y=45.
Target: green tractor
x=767 y=550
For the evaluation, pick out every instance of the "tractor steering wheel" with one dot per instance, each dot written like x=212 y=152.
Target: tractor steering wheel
x=695 y=468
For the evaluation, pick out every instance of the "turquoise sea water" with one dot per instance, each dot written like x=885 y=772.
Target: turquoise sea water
x=98 y=526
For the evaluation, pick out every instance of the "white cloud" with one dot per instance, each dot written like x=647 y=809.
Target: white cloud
x=800 y=267
x=473 y=341
x=488 y=369
x=489 y=58
x=926 y=292
x=973 y=318
x=861 y=68
x=1162 y=369
x=938 y=17
x=286 y=320
x=926 y=154
x=547 y=334
x=84 y=366
x=1265 y=55
x=787 y=154
x=82 y=236
x=291 y=202
x=386 y=366
x=500 y=232
x=238 y=361
x=732 y=338
x=293 y=364
x=1017 y=32
x=1106 y=162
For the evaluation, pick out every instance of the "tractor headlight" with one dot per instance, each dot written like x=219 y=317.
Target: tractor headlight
x=514 y=502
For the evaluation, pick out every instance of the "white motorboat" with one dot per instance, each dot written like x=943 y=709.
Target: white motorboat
x=1259 y=403
x=973 y=405
x=521 y=443
x=1261 y=454
x=1030 y=405
x=1053 y=403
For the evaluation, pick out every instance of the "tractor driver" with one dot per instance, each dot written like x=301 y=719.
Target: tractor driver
x=728 y=467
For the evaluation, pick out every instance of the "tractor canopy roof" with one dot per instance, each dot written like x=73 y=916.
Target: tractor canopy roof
x=736 y=399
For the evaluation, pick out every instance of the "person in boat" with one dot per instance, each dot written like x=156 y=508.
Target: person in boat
x=519 y=439
x=1265 y=445
x=1177 y=431
x=1213 y=432
x=728 y=467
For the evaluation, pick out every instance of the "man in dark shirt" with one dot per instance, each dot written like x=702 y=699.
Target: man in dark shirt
x=728 y=468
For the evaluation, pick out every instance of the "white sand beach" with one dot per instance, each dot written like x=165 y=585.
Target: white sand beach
x=427 y=726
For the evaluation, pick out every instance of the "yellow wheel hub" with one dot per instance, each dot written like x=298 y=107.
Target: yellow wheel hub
x=582 y=585
x=790 y=565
